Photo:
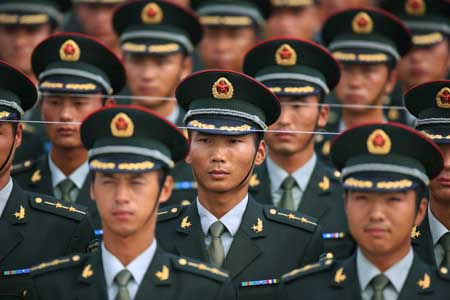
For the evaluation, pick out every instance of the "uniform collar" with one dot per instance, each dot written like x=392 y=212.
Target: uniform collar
x=5 y=192
x=232 y=219
x=397 y=273
x=138 y=266
x=437 y=228
x=301 y=175
x=78 y=176
x=173 y=117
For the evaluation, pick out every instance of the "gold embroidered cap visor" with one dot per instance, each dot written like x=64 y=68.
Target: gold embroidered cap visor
x=366 y=36
x=226 y=103
x=156 y=28
x=385 y=158
x=77 y=63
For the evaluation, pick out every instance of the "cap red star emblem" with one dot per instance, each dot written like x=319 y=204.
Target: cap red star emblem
x=222 y=89
x=152 y=14
x=362 y=23
x=122 y=126
x=443 y=98
x=286 y=55
x=379 y=142
x=415 y=7
x=70 y=51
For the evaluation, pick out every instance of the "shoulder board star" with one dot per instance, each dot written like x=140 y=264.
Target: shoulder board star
x=57 y=264
x=58 y=207
x=292 y=218
x=169 y=213
x=200 y=268
x=321 y=265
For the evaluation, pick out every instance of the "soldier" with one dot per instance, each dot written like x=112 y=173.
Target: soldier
x=293 y=18
x=94 y=17
x=77 y=75
x=430 y=103
x=230 y=29
x=300 y=73
x=385 y=171
x=158 y=39
x=227 y=113
x=32 y=227
x=130 y=166
x=368 y=42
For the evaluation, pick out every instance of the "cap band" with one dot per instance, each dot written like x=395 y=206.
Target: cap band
x=84 y=74
x=158 y=155
x=226 y=112
x=153 y=34
x=373 y=167
x=237 y=10
x=41 y=8
x=420 y=122
x=290 y=76
x=365 y=45
x=417 y=25
x=12 y=105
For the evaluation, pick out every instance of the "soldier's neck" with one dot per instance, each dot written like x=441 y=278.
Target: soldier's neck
x=384 y=262
x=68 y=160
x=164 y=108
x=293 y=162
x=441 y=210
x=219 y=203
x=353 y=118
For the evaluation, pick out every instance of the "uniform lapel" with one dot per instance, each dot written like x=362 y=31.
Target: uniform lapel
x=418 y=282
x=190 y=239
x=244 y=249
x=158 y=279
x=92 y=279
x=260 y=185
x=346 y=279
x=84 y=197
x=423 y=243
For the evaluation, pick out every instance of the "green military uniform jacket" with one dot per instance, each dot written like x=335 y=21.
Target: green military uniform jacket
x=168 y=277
x=422 y=242
x=330 y=280
x=35 y=176
x=34 y=228
x=322 y=200
x=268 y=243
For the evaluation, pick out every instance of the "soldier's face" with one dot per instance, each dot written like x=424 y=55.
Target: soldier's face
x=423 y=64
x=221 y=162
x=440 y=186
x=297 y=114
x=127 y=203
x=381 y=223
x=17 y=44
x=155 y=76
x=295 y=22
x=225 y=48
x=67 y=109
x=365 y=85
x=6 y=140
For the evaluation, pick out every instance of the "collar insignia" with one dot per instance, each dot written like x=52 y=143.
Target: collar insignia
x=425 y=282
x=325 y=184
x=415 y=233
x=87 y=272
x=258 y=227
x=379 y=143
x=222 y=89
x=185 y=223
x=362 y=23
x=20 y=215
x=340 y=276
x=70 y=51
x=163 y=275
x=122 y=126
x=286 y=56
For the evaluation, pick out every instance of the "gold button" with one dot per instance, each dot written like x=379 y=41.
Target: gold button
x=25 y=292
x=337 y=173
x=38 y=200
x=27 y=163
x=182 y=261
x=443 y=270
x=174 y=210
x=330 y=255
x=76 y=258
x=273 y=211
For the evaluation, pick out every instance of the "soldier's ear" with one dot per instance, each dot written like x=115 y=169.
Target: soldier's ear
x=260 y=153
x=166 y=189
x=91 y=188
x=421 y=211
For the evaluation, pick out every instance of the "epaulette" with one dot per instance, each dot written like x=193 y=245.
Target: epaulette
x=169 y=213
x=321 y=265
x=57 y=264
x=22 y=166
x=289 y=217
x=58 y=207
x=199 y=268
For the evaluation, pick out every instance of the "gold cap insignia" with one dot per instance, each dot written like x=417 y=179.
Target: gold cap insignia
x=152 y=14
x=122 y=126
x=70 y=51
x=222 y=89
x=425 y=282
x=415 y=7
x=258 y=227
x=362 y=23
x=87 y=272
x=340 y=276
x=443 y=98
x=163 y=275
x=379 y=142
x=185 y=223
x=20 y=215
x=286 y=56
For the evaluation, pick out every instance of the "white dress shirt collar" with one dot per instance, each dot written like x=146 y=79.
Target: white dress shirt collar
x=5 y=192
x=437 y=228
x=78 y=176
x=173 y=117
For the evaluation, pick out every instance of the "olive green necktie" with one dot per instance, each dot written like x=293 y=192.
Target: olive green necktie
x=379 y=283
x=215 y=249
x=122 y=279
x=287 y=199
x=445 y=243
x=66 y=186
